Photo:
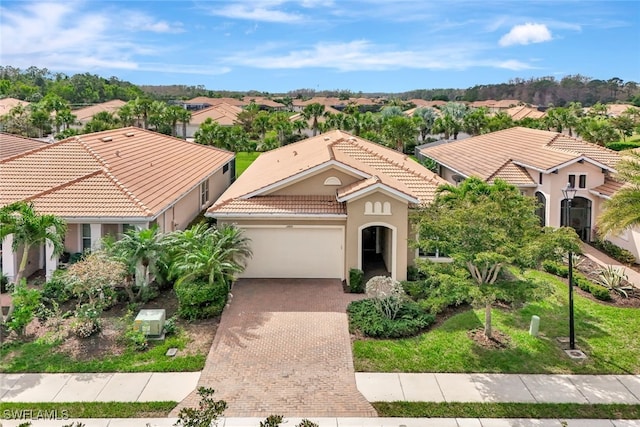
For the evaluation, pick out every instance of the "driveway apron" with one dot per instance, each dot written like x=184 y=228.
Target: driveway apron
x=283 y=347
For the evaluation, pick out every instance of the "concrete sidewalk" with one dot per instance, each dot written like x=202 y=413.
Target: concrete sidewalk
x=604 y=260
x=114 y=387
x=343 y=422
x=376 y=387
x=389 y=387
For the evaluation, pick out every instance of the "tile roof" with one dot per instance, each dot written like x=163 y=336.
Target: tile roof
x=483 y=156
x=365 y=158
x=11 y=145
x=514 y=174
x=6 y=104
x=216 y=101
x=223 y=113
x=283 y=205
x=522 y=111
x=607 y=189
x=115 y=173
x=86 y=114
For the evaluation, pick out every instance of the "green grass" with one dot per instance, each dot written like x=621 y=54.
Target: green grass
x=607 y=334
x=40 y=356
x=243 y=160
x=25 y=411
x=506 y=410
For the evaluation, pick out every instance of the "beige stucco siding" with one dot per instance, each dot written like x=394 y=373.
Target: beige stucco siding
x=357 y=220
x=314 y=184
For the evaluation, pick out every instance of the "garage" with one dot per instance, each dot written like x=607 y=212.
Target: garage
x=295 y=251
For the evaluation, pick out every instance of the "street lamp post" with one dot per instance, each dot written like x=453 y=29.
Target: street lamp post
x=569 y=192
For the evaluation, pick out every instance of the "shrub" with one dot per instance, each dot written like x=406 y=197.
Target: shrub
x=57 y=289
x=614 y=251
x=366 y=317
x=4 y=281
x=205 y=414
x=87 y=321
x=356 y=284
x=25 y=302
x=555 y=268
x=201 y=300
x=170 y=326
x=600 y=292
x=272 y=421
x=387 y=294
x=623 y=145
x=443 y=285
x=136 y=339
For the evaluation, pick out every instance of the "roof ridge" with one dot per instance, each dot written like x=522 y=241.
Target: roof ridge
x=502 y=166
x=64 y=184
x=93 y=153
x=35 y=150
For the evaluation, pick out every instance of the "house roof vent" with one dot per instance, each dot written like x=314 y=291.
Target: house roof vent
x=129 y=134
x=106 y=139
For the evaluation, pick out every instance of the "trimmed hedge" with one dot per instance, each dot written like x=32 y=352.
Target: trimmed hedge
x=365 y=317
x=623 y=145
x=599 y=292
x=614 y=251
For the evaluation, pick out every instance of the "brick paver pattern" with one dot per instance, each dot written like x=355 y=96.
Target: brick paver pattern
x=283 y=347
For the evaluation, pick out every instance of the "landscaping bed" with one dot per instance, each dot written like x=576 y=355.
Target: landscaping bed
x=45 y=349
x=604 y=331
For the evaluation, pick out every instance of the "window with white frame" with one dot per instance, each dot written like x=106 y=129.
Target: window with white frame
x=86 y=237
x=204 y=192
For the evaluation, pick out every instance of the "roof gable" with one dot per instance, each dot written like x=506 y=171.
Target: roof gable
x=484 y=156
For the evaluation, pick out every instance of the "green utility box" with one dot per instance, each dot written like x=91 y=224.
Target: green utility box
x=150 y=322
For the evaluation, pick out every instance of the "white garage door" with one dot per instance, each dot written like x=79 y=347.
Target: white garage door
x=295 y=252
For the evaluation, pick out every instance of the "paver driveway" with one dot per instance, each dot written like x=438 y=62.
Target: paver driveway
x=283 y=347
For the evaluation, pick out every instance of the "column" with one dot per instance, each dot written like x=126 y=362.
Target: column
x=96 y=236
x=9 y=263
x=51 y=260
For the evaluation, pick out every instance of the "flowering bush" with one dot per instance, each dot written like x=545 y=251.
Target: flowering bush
x=387 y=294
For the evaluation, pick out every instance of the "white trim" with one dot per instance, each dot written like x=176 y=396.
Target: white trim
x=286 y=181
x=378 y=186
x=599 y=194
x=565 y=164
x=394 y=243
x=332 y=180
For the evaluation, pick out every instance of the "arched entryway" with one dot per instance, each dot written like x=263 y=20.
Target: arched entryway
x=580 y=216
x=377 y=253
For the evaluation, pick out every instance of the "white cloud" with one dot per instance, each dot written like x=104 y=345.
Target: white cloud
x=526 y=34
x=137 y=21
x=361 y=55
x=256 y=12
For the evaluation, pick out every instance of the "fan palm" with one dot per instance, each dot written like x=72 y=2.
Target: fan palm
x=622 y=211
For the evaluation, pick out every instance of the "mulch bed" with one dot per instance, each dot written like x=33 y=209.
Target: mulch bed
x=498 y=340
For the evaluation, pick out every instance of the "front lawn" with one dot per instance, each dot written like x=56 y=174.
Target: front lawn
x=606 y=333
x=21 y=411
x=244 y=160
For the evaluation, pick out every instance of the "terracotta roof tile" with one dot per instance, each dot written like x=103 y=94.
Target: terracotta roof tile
x=607 y=189
x=85 y=114
x=366 y=158
x=11 y=145
x=514 y=174
x=484 y=155
x=6 y=104
x=152 y=170
x=222 y=113
x=288 y=205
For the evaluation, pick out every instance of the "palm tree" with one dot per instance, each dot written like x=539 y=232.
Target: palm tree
x=398 y=131
x=184 y=117
x=427 y=116
x=140 y=250
x=30 y=229
x=312 y=112
x=200 y=252
x=622 y=211
x=126 y=114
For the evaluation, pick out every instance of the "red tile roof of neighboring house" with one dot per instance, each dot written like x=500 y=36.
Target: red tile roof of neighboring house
x=522 y=111
x=127 y=172
x=390 y=168
x=85 y=114
x=6 y=104
x=607 y=189
x=224 y=114
x=485 y=155
x=11 y=145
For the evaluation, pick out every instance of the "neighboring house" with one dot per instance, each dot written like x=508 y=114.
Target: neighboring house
x=224 y=114
x=324 y=205
x=6 y=104
x=524 y=112
x=540 y=163
x=107 y=182
x=85 y=114
x=11 y=145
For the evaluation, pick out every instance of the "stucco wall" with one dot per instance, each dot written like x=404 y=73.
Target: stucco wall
x=72 y=241
x=314 y=184
x=356 y=219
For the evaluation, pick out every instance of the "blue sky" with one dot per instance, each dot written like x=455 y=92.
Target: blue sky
x=366 y=45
